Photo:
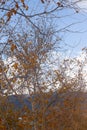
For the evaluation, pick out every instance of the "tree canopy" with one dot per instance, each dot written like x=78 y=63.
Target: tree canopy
x=31 y=71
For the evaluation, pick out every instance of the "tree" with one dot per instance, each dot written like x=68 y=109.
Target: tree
x=55 y=95
x=59 y=109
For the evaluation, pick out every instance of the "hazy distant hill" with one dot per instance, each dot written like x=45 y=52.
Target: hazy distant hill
x=20 y=101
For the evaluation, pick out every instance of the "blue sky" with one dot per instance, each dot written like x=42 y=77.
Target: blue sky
x=76 y=38
x=76 y=41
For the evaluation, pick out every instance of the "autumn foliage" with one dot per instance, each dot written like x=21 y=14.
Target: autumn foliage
x=39 y=90
x=54 y=108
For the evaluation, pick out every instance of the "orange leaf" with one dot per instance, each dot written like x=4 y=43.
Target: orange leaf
x=17 y=5
x=0 y=69
x=22 y=1
x=15 y=65
x=13 y=47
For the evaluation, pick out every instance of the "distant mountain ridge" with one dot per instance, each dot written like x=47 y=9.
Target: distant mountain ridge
x=19 y=101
